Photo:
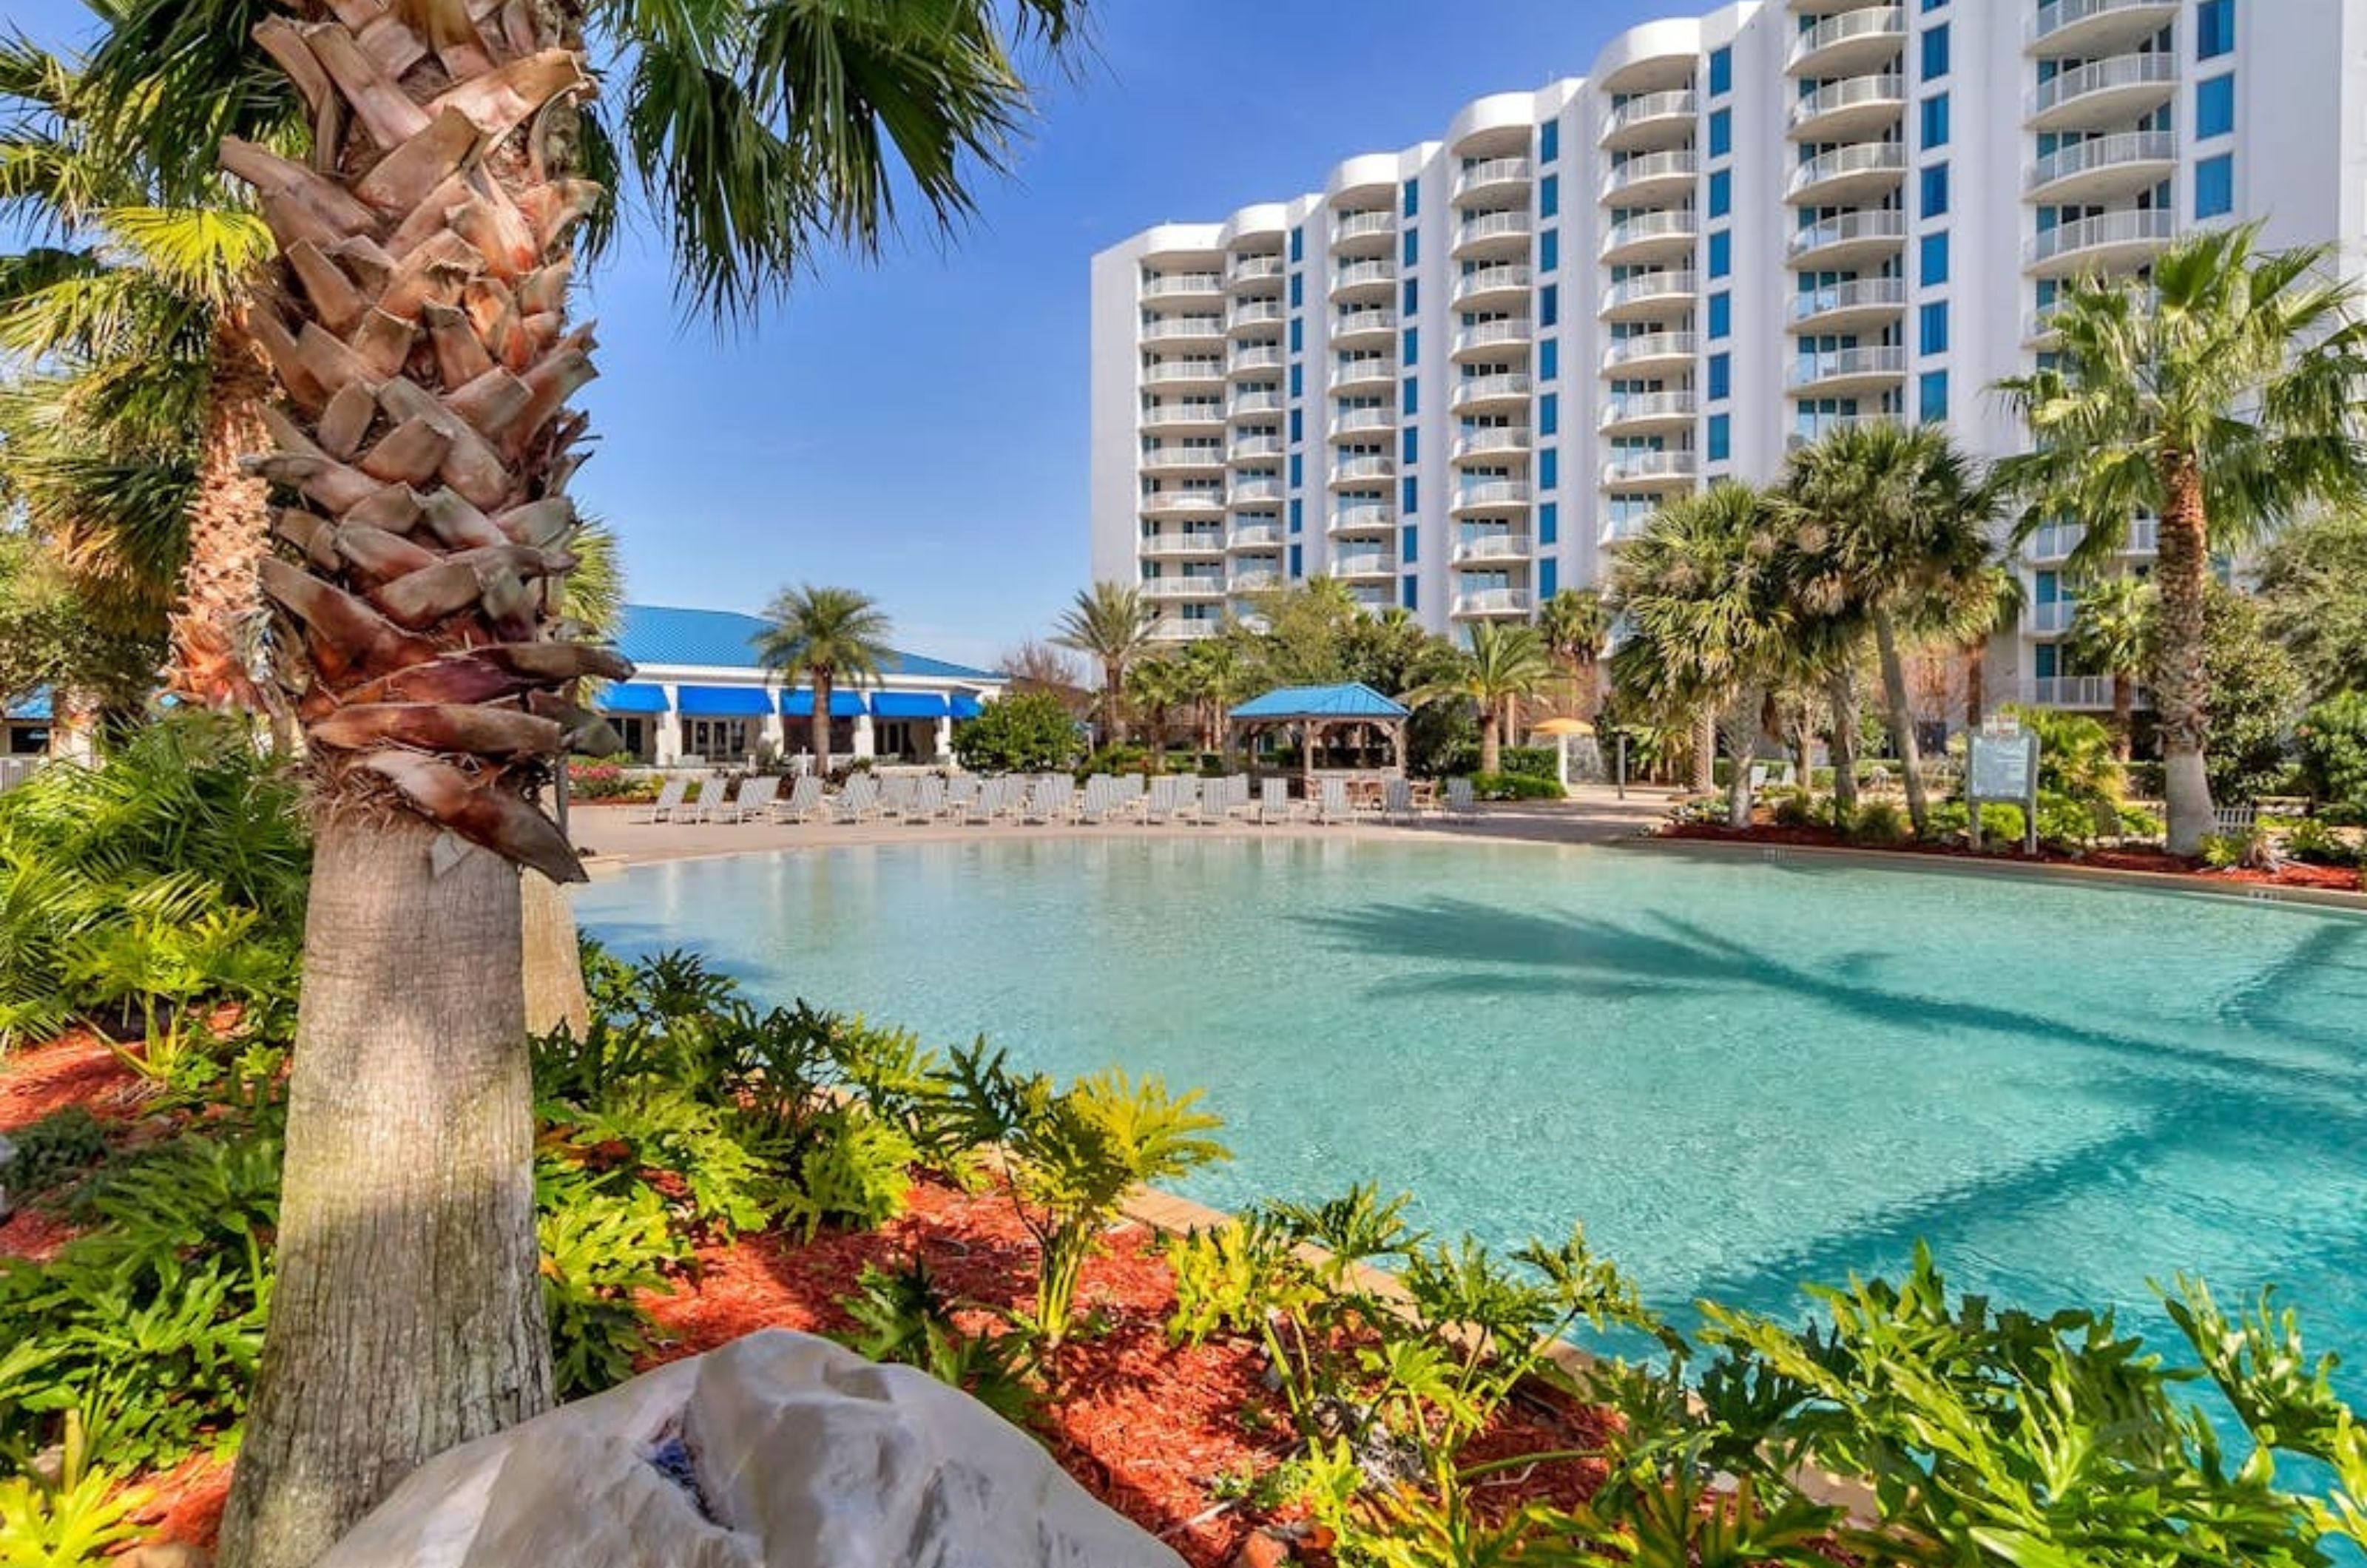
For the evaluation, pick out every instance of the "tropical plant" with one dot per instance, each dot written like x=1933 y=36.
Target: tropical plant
x=1903 y=519
x=2220 y=394
x=74 y=1514
x=1020 y=732
x=1155 y=687
x=2112 y=633
x=826 y=637
x=2312 y=582
x=1213 y=679
x=1109 y=623
x=1575 y=626
x=2077 y=757
x=1505 y=663
x=902 y=1315
x=2258 y=693
x=2333 y=745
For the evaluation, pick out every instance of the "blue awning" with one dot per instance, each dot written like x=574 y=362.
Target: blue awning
x=909 y=705
x=33 y=708
x=724 y=702
x=632 y=697
x=966 y=706
x=843 y=703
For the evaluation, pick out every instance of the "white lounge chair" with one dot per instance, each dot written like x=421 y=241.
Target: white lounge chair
x=858 y=800
x=1050 y=799
x=928 y=799
x=1461 y=803
x=755 y=798
x=1100 y=800
x=1165 y=800
x=1333 y=805
x=987 y=804
x=961 y=791
x=804 y=803
x=663 y=808
x=896 y=794
x=1273 y=802
x=1397 y=800
x=1130 y=795
x=698 y=806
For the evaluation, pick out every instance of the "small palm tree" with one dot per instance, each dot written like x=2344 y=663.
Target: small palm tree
x=2112 y=633
x=1575 y=625
x=1506 y=662
x=1155 y=688
x=823 y=636
x=1904 y=517
x=2006 y=601
x=2221 y=396
x=1212 y=678
x=1109 y=623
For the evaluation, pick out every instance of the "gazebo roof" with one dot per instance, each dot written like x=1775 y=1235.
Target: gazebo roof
x=1352 y=700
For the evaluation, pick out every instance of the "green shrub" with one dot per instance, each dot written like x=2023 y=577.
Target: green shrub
x=2071 y=824
x=1802 y=808
x=73 y=1517
x=1880 y=822
x=2136 y=823
x=2314 y=842
x=1024 y=732
x=56 y=1149
x=600 y=1249
x=1115 y=759
x=615 y=778
x=901 y=1316
x=2228 y=851
x=2075 y=754
x=1530 y=762
x=2332 y=740
x=1514 y=787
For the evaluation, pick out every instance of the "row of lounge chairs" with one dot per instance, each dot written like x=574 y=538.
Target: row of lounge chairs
x=1046 y=798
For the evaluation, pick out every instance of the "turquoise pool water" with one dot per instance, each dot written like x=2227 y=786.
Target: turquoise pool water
x=1740 y=1076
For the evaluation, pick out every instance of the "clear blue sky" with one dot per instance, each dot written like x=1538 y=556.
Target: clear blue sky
x=917 y=428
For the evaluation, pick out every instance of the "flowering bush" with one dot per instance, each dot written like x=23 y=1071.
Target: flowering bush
x=608 y=778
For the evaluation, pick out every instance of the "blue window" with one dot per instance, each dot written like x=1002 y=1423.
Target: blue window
x=1721 y=132
x=1721 y=71
x=1549 y=414
x=1299 y=244
x=1935 y=121
x=1409 y=495
x=1297 y=334
x=1721 y=315
x=1297 y=289
x=1721 y=376
x=1410 y=445
x=1549 y=142
x=1410 y=591
x=2214 y=30
x=1721 y=193
x=1296 y=429
x=1297 y=469
x=1412 y=198
x=1297 y=517
x=1721 y=252
x=1932 y=397
x=1934 y=4
x=1549 y=305
x=1934 y=268
x=2214 y=107
x=1548 y=522
x=1549 y=250
x=1410 y=397
x=1412 y=355
x=1935 y=190
x=1721 y=437
x=2214 y=186
x=1548 y=468
x=1297 y=384
x=1549 y=197
x=1933 y=327
x=1548 y=578
x=1410 y=246
x=1412 y=296
x=1549 y=359
x=1935 y=51
x=1410 y=544
x=1297 y=561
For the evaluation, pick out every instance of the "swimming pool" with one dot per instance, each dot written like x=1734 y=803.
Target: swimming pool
x=1740 y=1076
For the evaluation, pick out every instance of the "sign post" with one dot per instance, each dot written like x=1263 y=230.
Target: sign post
x=2001 y=764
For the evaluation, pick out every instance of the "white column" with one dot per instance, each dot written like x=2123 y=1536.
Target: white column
x=669 y=731
x=862 y=746
x=775 y=734
x=945 y=742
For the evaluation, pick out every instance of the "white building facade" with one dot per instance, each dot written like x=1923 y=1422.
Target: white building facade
x=1460 y=375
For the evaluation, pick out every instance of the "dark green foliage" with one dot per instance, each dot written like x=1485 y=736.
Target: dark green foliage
x=1880 y=822
x=600 y=1248
x=901 y=1315
x=1528 y=761
x=1515 y=786
x=1114 y=760
x=2333 y=745
x=2314 y=587
x=2312 y=842
x=2257 y=695
x=1802 y=808
x=1025 y=733
x=56 y=1149
x=2075 y=754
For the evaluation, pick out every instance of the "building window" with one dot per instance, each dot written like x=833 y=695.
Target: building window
x=1548 y=305
x=1297 y=469
x=1412 y=198
x=1549 y=197
x=1409 y=495
x=1410 y=397
x=1721 y=252
x=1935 y=51
x=1297 y=384
x=1549 y=359
x=1932 y=397
x=1721 y=315
x=1409 y=544
x=1549 y=142
x=1548 y=468
x=1935 y=121
x=1934 y=270
x=1413 y=294
x=2214 y=30
x=1408 y=593
x=1933 y=328
x=1548 y=522
x=2214 y=186
x=1721 y=376
x=1549 y=414
x=1412 y=356
x=1721 y=71
x=1721 y=132
x=1297 y=561
x=1297 y=334
x=1721 y=193
x=1410 y=445
x=1935 y=5
x=1548 y=579
x=1297 y=517
x=2214 y=107
x=1410 y=246
x=1721 y=439
x=1299 y=244
x=1935 y=190
x=1297 y=289
x=1549 y=250
x=1297 y=428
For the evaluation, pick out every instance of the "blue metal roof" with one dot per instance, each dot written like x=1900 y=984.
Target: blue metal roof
x=659 y=634
x=1353 y=700
x=33 y=707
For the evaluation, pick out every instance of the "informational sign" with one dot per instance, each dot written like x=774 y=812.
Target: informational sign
x=2001 y=764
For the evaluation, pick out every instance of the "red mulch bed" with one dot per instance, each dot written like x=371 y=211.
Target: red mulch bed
x=76 y=1068
x=2293 y=873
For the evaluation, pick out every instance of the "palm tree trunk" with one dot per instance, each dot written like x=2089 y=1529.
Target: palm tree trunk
x=1705 y=751
x=1739 y=725
x=821 y=695
x=1902 y=719
x=1977 y=683
x=2125 y=719
x=216 y=621
x=1491 y=749
x=2180 y=687
x=1590 y=690
x=1840 y=692
x=408 y=1162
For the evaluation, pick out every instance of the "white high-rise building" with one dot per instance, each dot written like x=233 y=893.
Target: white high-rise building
x=1460 y=374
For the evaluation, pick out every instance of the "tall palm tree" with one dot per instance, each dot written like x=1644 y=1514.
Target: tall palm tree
x=824 y=637
x=1212 y=680
x=2222 y=396
x=1506 y=662
x=1110 y=623
x=1575 y=625
x=1155 y=688
x=414 y=320
x=2112 y=634
x=1704 y=589
x=1905 y=516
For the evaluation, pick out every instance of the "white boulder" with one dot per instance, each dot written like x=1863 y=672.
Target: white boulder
x=778 y=1450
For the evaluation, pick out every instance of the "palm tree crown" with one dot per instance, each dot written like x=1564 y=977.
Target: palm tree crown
x=826 y=637
x=1109 y=623
x=2112 y=634
x=1575 y=625
x=1506 y=662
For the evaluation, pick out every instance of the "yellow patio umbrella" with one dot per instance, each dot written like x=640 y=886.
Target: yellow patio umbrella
x=1559 y=727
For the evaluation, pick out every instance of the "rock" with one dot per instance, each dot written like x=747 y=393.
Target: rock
x=778 y=1450
x=1262 y=1550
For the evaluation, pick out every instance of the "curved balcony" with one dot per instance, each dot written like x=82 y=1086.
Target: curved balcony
x=1663 y=237
x=1649 y=296
x=1650 y=354
x=1650 y=470
x=1184 y=588
x=1364 y=566
x=1183 y=503
x=1493 y=440
x=1184 y=328
x=1854 y=242
x=1490 y=340
x=1855 y=108
x=1185 y=373
x=1652 y=179
x=1865 y=303
x=1499 y=180
x=1162 y=415
x=1183 y=285
x=1502 y=236
x=1845 y=372
x=1362 y=468
x=2102 y=93
x=1507 y=283
x=1360 y=520
x=1375 y=372
x=2089 y=28
x=1501 y=392
x=1171 y=457
x=1249 y=358
x=1266 y=267
x=1245 y=583
x=1492 y=496
x=1252 y=405
x=1369 y=326
x=1494 y=547
x=1254 y=493
x=1252 y=313
x=1850 y=44
x=1849 y=177
x=1650 y=119
x=1488 y=602
x=1256 y=448
x=2112 y=242
x=1364 y=281
x=1182 y=546
x=1260 y=536
x=1648 y=414
x=1170 y=628
x=2057 y=540
x=1364 y=234
x=1362 y=422
x=2103 y=167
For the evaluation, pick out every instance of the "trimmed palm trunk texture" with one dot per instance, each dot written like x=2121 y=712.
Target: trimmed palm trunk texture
x=2182 y=574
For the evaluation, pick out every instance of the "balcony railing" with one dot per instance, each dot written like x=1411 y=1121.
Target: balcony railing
x=1850 y=228
x=1649 y=345
x=2078 y=692
x=1184 y=501
x=1364 y=371
x=1494 y=547
x=1363 y=225
x=1169 y=285
x=1184 y=370
x=1864 y=158
x=2057 y=540
x=1256 y=446
x=1859 y=294
x=2118 y=73
x=1253 y=269
x=1158 y=546
x=2057 y=15
x=1845 y=364
x=1373 y=466
x=1518 y=329
x=1363 y=519
x=1852 y=92
x=1488 y=279
x=1184 y=588
x=1184 y=326
x=1367 y=563
x=1375 y=318
x=2130 y=228
x=1639 y=406
x=1503 y=384
x=1169 y=628
x=1629 y=467
x=1259 y=538
x=1679 y=163
x=1172 y=455
x=1252 y=581
x=1352 y=421
x=1495 y=438
x=1493 y=171
x=1494 y=602
x=1678 y=102
x=1254 y=313
x=1491 y=492
x=1262 y=357
x=1650 y=285
x=1492 y=226
x=1675 y=224
x=2131 y=147
x=1255 y=403
x=1161 y=413
x=1882 y=21
x=1358 y=273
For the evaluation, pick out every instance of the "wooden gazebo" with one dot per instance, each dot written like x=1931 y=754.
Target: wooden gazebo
x=1316 y=712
